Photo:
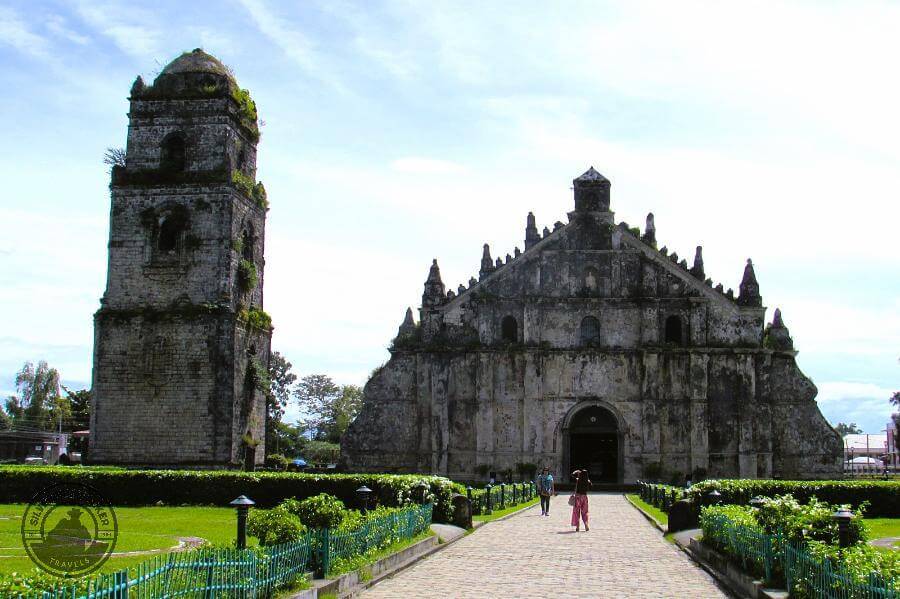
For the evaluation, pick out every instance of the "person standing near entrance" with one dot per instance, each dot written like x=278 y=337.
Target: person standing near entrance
x=545 y=490
x=580 y=500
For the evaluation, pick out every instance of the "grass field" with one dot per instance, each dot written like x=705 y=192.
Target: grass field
x=883 y=527
x=140 y=529
x=656 y=513
x=500 y=513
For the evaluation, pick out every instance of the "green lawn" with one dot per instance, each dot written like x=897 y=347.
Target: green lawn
x=139 y=529
x=656 y=513
x=500 y=513
x=883 y=527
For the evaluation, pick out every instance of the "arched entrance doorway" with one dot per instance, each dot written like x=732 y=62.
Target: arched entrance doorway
x=594 y=444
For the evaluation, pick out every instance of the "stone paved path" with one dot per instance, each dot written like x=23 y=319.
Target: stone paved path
x=532 y=556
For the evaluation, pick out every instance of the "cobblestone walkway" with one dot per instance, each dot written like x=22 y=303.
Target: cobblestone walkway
x=532 y=556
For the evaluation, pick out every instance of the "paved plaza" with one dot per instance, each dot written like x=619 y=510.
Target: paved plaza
x=528 y=555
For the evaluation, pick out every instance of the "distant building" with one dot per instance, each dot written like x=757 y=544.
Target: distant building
x=865 y=452
x=19 y=446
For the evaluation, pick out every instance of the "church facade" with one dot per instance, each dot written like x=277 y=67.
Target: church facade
x=593 y=349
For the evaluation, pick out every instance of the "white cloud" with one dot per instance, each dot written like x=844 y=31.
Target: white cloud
x=59 y=27
x=131 y=28
x=16 y=33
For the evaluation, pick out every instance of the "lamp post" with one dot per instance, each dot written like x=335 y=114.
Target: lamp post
x=421 y=489
x=363 y=494
x=843 y=517
x=714 y=497
x=757 y=502
x=242 y=504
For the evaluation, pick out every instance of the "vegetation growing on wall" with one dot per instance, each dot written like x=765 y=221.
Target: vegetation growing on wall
x=247 y=275
x=254 y=191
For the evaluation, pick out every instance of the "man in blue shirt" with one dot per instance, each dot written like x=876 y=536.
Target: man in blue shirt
x=545 y=490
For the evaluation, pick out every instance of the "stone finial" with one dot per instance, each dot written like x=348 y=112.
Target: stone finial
x=472 y=282
x=546 y=232
x=591 y=192
x=408 y=326
x=777 y=322
x=531 y=232
x=749 y=289
x=499 y=263
x=558 y=225
x=674 y=257
x=517 y=252
x=137 y=87
x=487 y=265
x=777 y=336
x=460 y=290
x=450 y=294
x=649 y=236
x=683 y=264
x=697 y=268
x=434 y=288
x=730 y=293
x=508 y=258
x=664 y=251
x=719 y=288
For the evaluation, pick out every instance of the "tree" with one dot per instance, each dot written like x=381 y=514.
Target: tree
x=38 y=394
x=80 y=408
x=847 y=429
x=281 y=381
x=317 y=394
x=286 y=439
x=345 y=409
x=5 y=421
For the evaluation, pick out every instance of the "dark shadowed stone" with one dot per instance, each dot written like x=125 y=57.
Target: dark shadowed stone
x=682 y=516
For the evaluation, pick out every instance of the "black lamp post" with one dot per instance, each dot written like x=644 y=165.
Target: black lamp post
x=363 y=493
x=843 y=517
x=242 y=504
x=714 y=497
x=421 y=489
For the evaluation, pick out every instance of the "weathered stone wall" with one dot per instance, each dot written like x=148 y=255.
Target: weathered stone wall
x=682 y=366
x=177 y=357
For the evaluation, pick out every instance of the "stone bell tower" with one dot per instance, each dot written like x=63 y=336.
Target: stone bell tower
x=181 y=341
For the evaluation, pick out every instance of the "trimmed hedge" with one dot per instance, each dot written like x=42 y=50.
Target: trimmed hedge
x=18 y=484
x=883 y=495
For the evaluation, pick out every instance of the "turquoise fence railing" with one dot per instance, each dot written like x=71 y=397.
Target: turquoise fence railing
x=202 y=573
x=245 y=573
x=375 y=533
x=789 y=563
x=755 y=549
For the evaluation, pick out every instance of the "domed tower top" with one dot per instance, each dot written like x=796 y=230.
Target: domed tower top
x=591 y=192
x=197 y=61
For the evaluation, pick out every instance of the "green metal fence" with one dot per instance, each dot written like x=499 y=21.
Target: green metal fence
x=790 y=563
x=246 y=573
x=200 y=574
x=500 y=496
x=660 y=496
x=373 y=534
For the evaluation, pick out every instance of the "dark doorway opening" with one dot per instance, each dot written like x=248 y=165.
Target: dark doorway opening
x=594 y=444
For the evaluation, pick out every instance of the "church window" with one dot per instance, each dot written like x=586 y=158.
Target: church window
x=589 y=331
x=169 y=234
x=172 y=153
x=247 y=240
x=591 y=277
x=674 y=333
x=509 y=329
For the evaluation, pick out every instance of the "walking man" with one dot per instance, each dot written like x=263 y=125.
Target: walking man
x=545 y=489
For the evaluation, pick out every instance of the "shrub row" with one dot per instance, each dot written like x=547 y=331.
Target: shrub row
x=18 y=484
x=798 y=545
x=883 y=496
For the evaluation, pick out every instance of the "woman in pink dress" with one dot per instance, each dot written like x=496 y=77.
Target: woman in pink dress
x=580 y=507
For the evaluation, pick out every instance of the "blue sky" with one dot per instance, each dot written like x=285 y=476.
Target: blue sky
x=398 y=132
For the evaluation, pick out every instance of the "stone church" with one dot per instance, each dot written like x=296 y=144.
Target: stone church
x=593 y=349
x=181 y=341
